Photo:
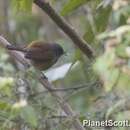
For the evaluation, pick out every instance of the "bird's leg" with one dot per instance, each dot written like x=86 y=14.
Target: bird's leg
x=44 y=76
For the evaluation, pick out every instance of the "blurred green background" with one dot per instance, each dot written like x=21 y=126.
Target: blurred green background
x=99 y=89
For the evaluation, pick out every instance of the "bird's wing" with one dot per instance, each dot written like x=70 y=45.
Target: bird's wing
x=39 y=54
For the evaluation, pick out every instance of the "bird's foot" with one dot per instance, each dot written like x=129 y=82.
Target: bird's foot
x=44 y=76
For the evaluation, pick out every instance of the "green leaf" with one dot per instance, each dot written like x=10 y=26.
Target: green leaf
x=72 y=5
x=105 y=69
x=124 y=83
x=102 y=18
x=78 y=55
x=89 y=34
x=121 y=51
x=29 y=115
x=6 y=84
x=22 y=5
x=121 y=15
x=4 y=105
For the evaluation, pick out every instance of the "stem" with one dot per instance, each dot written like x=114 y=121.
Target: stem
x=77 y=40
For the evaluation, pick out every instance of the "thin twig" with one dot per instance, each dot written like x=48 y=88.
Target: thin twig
x=80 y=87
x=64 y=105
x=58 y=117
x=77 y=40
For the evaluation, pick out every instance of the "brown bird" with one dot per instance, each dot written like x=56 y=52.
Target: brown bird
x=42 y=55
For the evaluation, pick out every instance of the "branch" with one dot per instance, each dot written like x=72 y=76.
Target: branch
x=78 y=41
x=64 y=105
x=76 y=88
x=15 y=54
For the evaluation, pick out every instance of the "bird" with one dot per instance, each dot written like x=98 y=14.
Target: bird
x=42 y=55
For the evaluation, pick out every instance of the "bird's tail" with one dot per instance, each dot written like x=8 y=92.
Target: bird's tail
x=15 y=48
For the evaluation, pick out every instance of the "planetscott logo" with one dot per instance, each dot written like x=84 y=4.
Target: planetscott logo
x=106 y=123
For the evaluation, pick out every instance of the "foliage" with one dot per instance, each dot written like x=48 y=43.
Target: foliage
x=22 y=5
x=71 y=5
